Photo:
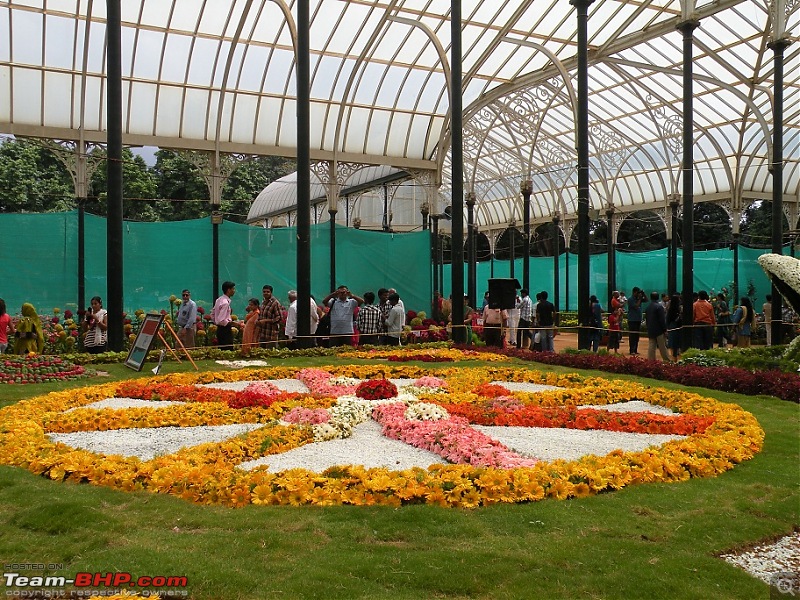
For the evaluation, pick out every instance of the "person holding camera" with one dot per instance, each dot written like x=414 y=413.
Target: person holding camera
x=96 y=325
x=342 y=304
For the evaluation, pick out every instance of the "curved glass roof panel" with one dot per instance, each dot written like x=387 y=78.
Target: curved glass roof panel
x=220 y=76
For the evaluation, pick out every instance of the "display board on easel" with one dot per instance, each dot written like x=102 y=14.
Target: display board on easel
x=144 y=339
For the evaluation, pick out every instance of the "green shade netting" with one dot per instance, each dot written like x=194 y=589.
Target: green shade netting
x=39 y=257
x=161 y=259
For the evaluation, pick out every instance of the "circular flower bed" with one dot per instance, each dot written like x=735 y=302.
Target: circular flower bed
x=37 y=368
x=438 y=417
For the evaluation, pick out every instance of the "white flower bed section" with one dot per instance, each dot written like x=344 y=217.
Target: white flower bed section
x=366 y=446
x=128 y=403
x=548 y=444
x=147 y=443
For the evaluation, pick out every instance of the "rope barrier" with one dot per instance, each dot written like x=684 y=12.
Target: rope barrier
x=492 y=326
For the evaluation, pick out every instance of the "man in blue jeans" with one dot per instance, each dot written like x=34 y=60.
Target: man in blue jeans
x=545 y=317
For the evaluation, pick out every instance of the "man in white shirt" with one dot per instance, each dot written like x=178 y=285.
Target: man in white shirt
x=395 y=321
x=399 y=302
x=290 y=330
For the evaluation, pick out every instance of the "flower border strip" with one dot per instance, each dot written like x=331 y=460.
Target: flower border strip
x=580 y=418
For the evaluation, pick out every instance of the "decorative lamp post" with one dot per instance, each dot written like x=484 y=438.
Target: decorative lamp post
x=435 y=251
x=672 y=267
x=526 y=189
x=556 y=274
x=471 y=274
x=332 y=210
x=611 y=249
x=425 y=209
x=216 y=221
x=512 y=230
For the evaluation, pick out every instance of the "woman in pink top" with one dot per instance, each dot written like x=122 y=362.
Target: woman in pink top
x=6 y=327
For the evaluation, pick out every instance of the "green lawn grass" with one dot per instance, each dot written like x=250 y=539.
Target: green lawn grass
x=646 y=541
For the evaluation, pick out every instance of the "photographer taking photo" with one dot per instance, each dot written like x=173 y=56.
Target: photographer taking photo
x=96 y=324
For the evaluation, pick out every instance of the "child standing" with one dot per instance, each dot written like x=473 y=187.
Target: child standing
x=615 y=329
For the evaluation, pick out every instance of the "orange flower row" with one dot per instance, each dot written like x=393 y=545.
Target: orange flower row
x=583 y=418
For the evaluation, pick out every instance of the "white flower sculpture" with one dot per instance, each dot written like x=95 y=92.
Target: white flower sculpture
x=784 y=273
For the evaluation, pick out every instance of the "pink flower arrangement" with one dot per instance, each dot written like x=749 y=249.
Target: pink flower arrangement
x=429 y=381
x=318 y=381
x=453 y=439
x=504 y=403
x=307 y=416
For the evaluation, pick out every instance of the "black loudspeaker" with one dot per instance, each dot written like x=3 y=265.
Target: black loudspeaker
x=503 y=292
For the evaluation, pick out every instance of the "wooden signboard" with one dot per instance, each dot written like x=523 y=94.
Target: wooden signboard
x=144 y=339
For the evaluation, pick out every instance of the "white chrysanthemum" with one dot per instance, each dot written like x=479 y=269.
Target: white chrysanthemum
x=406 y=398
x=423 y=411
x=326 y=431
x=342 y=380
x=351 y=410
x=421 y=389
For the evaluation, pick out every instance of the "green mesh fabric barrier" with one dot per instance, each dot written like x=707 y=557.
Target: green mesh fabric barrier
x=38 y=264
x=38 y=261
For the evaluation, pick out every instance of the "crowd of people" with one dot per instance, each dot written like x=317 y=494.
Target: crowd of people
x=341 y=318
x=25 y=334
x=344 y=318
x=713 y=321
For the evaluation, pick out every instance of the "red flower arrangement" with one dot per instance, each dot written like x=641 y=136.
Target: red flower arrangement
x=376 y=389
